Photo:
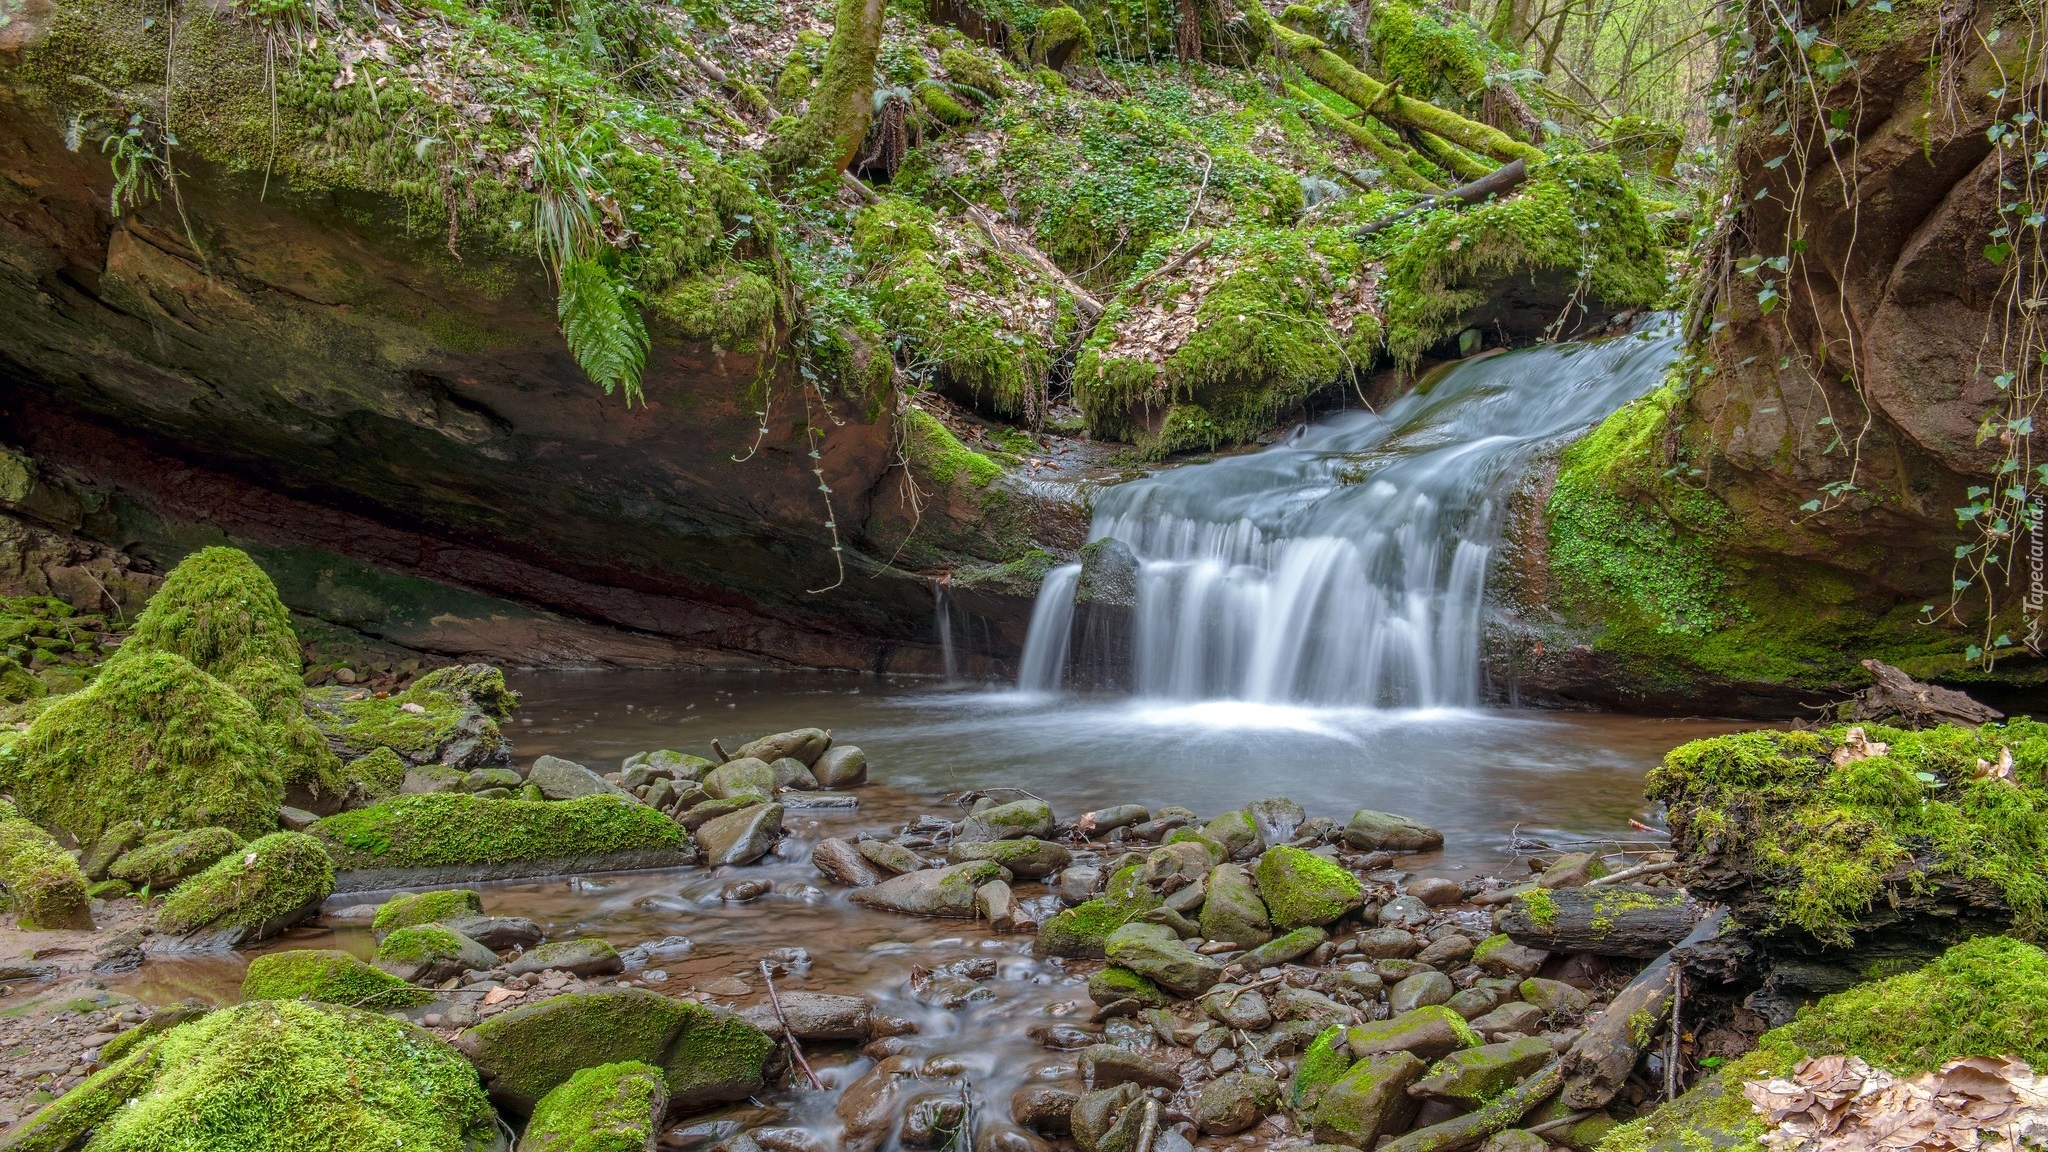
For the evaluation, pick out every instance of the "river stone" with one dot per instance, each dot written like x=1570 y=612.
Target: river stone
x=793 y=773
x=1096 y=1113
x=485 y=779
x=842 y=766
x=586 y=957
x=1232 y=909
x=1387 y=943
x=702 y=814
x=163 y=864
x=889 y=856
x=1277 y=819
x=560 y=779
x=612 y=1105
x=431 y=953
x=1477 y=1075
x=1007 y=822
x=995 y=903
x=707 y=1055
x=1234 y=1102
x=815 y=1016
x=1030 y=858
x=805 y=744
x=427 y=778
x=1368 y=1100
x=1515 y=1016
x=1555 y=997
x=1404 y=912
x=1106 y=820
x=1237 y=833
x=686 y=767
x=498 y=933
x=932 y=891
x=642 y=774
x=740 y=838
x=868 y=1108
x=1371 y=831
x=1114 y=985
x=1106 y=1065
x=1430 y=1033
x=661 y=794
x=1154 y=951
x=1047 y=1109
x=1436 y=891
x=1309 y=1004
x=738 y=776
x=114 y=843
x=842 y=864
x=1515 y=1140
x=1572 y=870
x=1281 y=949
x=1238 y=1007
x=1473 y=1002
x=1500 y=956
x=1447 y=951
x=1302 y=888
x=1077 y=884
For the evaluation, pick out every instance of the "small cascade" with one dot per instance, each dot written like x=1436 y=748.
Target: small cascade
x=1051 y=633
x=943 y=609
x=1346 y=566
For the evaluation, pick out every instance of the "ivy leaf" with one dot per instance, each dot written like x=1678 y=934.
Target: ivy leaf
x=1996 y=253
x=1767 y=300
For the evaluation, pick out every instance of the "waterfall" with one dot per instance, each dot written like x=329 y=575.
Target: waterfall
x=1052 y=626
x=1346 y=565
x=943 y=609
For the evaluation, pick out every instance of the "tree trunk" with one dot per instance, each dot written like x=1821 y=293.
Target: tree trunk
x=1504 y=1112
x=1898 y=698
x=1452 y=159
x=1613 y=920
x=1391 y=160
x=1599 y=1061
x=837 y=123
x=1510 y=24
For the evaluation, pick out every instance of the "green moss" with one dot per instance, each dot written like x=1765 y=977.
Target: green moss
x=1061 y=31
x=376 y=775
x=705 y=1054
x=154 y=739
x=452 y=703
x=1302 y=888
x=110 y=890
x=330 y=977
x=253 y=891
x=1826 y=842
x=420 y=942
x=421 y=831
x=1083 y=929
x=938 y=454
x=610 y=1108
x=68 y=1121
x=893 y=226
x=43 y=880
x=1435 y=54
x=979 y=73
x=731 y=308
x=1114 y=983
x=409 y=908
x=1323 y=1064
x=289 y=1074
x=1645 y=145
x=165 y=863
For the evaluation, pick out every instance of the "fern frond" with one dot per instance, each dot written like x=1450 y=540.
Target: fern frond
x=602 y=325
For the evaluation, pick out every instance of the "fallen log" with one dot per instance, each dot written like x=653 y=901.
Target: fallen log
x=1898 y=698
x=1613 y=920
x=1087 y=303
x=1392 y=161
x=1599 y=1061
x=1497 y=182
x=1498 y=1116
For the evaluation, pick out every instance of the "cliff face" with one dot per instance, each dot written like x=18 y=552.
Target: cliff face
x=1787 y=504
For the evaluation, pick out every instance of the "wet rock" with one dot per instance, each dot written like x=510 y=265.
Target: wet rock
x=1358 y=979
x=1404 y=912
x=1105 y=820
x=1155 y=952
x=1302 y=888
x=1387 y=943
x=1010 y=821
x=1096 y=1113
x=1044 y=1108
x=1475 y=1076
x=778 y=1140
x=560 y=779
x=1106 y=1065
x=1517 y=1016
x=994 y=903
x=661 y=794
x=843 y=864
x=584 y=957
x=498 y=933
x=1030 y=858
x=1436 y=891
x=1171 y=867
x=815 y=1016
x=442 y=905
x=1277 y=818
x=804 y=744
x=431 y=953
x=889 y=857
x=484 y=779
x=1232 y=910
x=1077 y=884
x=1182 y=927
x=741 y=837
x=702 y=814
x=1282 y=949
x=117 y=841
x=1230 y=1104
x=842 y=766
x=1371 y=831
x=1084 y=929
x=1554 y=997
x=1369 y=1099
x=1515 y=1140
x=643 y=774
x=932 y=1120
x=1447 y=951
x=1472 y=1003
x=1429 y=1033
x=1501 y=956
x=1235 y=1006
x=708 y=1056
x=679 y=765
x=1115 y=985
x=742 y=776
x=792 y=773
x=932 y=891
x=1572 y=870
x=623 y=1101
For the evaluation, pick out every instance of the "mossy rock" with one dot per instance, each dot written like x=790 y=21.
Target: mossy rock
x=186 y=854
x=448 y=716
x=456 y=831
x=1084 y=929
x=153 y=739
x=609 y=1108
x=272 y=1076
x=378 y=774
x=430 y=953
x=44 y=881
x=329 y=976
x=707 y=1056
x=409 y=908
x=1301 y=888
x=259 y=891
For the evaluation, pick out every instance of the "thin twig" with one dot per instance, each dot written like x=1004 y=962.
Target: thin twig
x=1671 y=1056
x=1148 y=1131
x=1648 y=869
x=796 y=1050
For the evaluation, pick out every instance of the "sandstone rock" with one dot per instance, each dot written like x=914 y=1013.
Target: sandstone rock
x=1474 y=1002
x=932 y=891
x=793 y=773
x=1302 y=888
x=1096 y=1114
x=994 y=903
x=1404 y=912
x=1235 y=1006
x=680 y=766
x=1419 y=991
x=1232 y=909
x=1155 y=952
x=1368 y=1100
x=1029 y=858
x=1237 y=833
x=1010 y=821
x=1475 y=1076
x=702 y=814
x=1371 y=831
x=842 y=766
x=741 y=837
x=560 y=779
x=740 y=776
x=1436 y=891
x=805 y=744
x=1077 y=884
x=1430 y=1033
x=585 y=957
x=642 y=774
x=842 y=864
x=1106 y=1065
x=815 y=1016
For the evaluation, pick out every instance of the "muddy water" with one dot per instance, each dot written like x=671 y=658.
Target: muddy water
x=1493 y=781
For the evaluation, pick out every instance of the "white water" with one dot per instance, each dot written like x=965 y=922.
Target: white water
x=1348 y=565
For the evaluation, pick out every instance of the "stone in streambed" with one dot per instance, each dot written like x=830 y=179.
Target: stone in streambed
x=815 y=1016
x=1280 y=950
x=330 y=976
x=1044 y=1108
x=1371 y=831
x=1019 y=818
x=1105 y=820
x=1473 y=1002
x=1236 y=833
x=793 y=773
x=1235 y=1006
x=1232 y=909
x=1234 y=1102
x=889 y=856
x=932 y=891
x=253 y=893
x=740 y=776
x=1572 y=870
x=162 y=865
x=1154 y=951
x=1113 y=985
x=1477 y=1075
x=1106 y=1065
x=842 y=766
x=661 y=794
x=497 y=933
x=1515 y=1140
x=1404 y=912
x=641 y=774
x=1302 y=888
x=1277 y=818
x=1084 y=929
x=1078 y=884
x=1430 y=1033
x=1555 y=997
x=1095 y=1115
x=1500 y=956
x=1517 y=1016
x=805 y=744
x=1387 y=944
x=741 y=837
x=1437 y=891
x=842 y=864
x=431 y=953
x=611 y=1106
x=560 y=779
x=584 y=957
x=702 y=814
x=1371 y=1098
x=1030 y=858
x=410 y=908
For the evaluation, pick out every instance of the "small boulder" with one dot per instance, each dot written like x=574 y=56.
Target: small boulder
x=1446 y=951
x=1572 y=870
x=254 y=893
x=1047 y=1109
x=1114 y=985
x=842 y=766
x=1103 y=821
x=1555 y=997
x=611 y=1106
x=45 y=882
x=1232 y=909
x=743 y=776
x=1387 y=943
x=815 y=1016
x=1430 y=1033
x=699 y=815
x=431 y=953
x=1011 y=821
x=890 y=857
x=585 y=956
x=485 y=779
x=1371 y=831
x=498 y=933
x=843 y=864
x=1500 y=956
x=329 y=976
x=1106 y=1065
x=741 y=837
x=1282 y=949
x=1301 y=888
x=1515 y=1140
x=162 y=865
x=560 y=779
x=409 y=908
x=805 y=744
x=1514 y=1016
x=1030 y=858
x=1371 y=1098
x=1235 y=1006
x=1154 y=951
x=1436 y=891
x=931 y=891
x=1419 y=991
x=1404 y=912
x=792 y=773
x=1234 y=1102
x=1475 y=1076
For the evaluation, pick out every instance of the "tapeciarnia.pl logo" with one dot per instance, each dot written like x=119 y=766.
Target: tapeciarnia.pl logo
x=2037 y=575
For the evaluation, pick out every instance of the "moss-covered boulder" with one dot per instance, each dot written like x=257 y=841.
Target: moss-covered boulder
x=609 y=1108
x=464 y=836
x=154 y=739
x=1301 y=888
x=449 y=716
x=166 y=862
x=255 y=892
x=274 y=1075
x=329 y=976
x=707 y=1056
x=43 y=880
x=431 y=953
x=1084 y=929
x=409 y=908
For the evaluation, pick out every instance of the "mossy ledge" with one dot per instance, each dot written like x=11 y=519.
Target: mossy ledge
x=444 y=838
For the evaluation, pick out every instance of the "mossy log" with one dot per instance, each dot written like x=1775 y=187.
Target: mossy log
x=1600 y=1060
x=836 y=123
x=1501 y=1114
x=1613 y=920
x=1335 y=73
x=1392 y=161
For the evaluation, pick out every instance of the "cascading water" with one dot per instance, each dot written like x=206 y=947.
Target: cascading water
x=1348 y=565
